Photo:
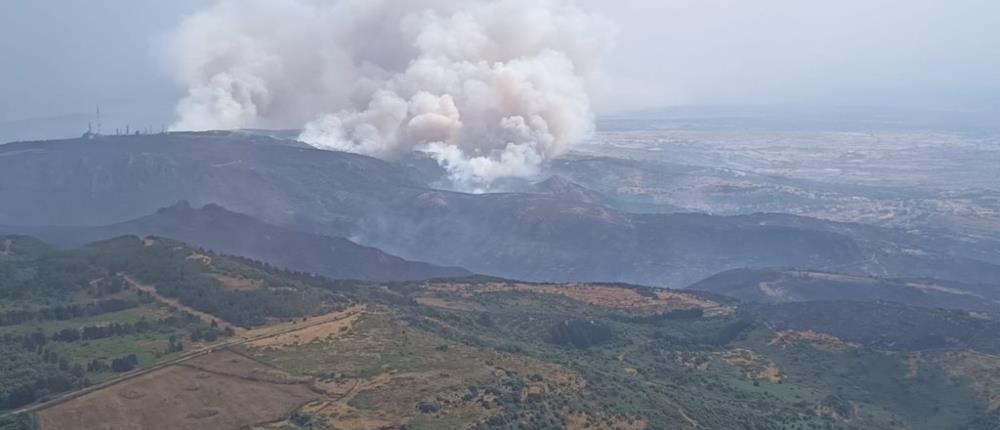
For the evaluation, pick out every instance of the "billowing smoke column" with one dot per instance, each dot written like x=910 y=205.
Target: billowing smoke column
x=488 y=88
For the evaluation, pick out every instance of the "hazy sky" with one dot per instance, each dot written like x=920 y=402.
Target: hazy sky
x=875 y=52
x=62 y=57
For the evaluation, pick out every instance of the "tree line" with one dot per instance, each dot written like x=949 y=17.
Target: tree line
x=66 y=312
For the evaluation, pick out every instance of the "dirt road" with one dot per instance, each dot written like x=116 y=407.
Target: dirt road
x=247 y=337
x=176 y=304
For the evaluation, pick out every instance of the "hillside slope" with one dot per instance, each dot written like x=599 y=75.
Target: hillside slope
x=155 y=323
x=774 y=286
x=213 y=227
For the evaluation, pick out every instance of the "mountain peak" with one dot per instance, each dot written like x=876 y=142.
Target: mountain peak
x=564 y=188
x=556 y=182
x=180 y=206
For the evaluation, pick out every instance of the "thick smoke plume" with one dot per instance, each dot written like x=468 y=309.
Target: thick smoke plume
x=488 y=88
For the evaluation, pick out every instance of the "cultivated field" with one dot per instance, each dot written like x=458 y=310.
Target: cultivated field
x=222 y=390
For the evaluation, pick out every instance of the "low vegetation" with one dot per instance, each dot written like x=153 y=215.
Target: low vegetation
x=71 y=319
x=477 y=353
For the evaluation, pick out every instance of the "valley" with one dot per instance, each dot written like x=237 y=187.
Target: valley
x=300 y=208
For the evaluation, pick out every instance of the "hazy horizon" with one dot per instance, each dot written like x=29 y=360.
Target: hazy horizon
x=920 y=55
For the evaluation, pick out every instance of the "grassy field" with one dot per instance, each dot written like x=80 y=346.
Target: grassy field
x=128 y=316
x=71 y=318
x=150 y=347
x=217 y=391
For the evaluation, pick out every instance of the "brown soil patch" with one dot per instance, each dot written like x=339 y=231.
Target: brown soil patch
x=131 y=394
x=202 y=258
x=455 y=305
x=913 y=365
x=345 y=417
x=231 y=283
x=605 y=296
x=203 y=413
x=751 y=365
x=231 y=364
x=301 y=332
x=738 y=357
x=585 y=421
x=824 y=341
x=339 y=324
x=184 y=397
x=770 y=373
x=339 y=414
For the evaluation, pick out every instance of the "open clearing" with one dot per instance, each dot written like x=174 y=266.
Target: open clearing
x=455 y=305
x=819 y=340
x=222 y=390
x=605 y=296
x=233 y=283
x=376 y=373
x=336 y=325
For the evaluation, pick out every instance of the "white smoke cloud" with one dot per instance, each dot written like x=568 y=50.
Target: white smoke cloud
x=488 y=88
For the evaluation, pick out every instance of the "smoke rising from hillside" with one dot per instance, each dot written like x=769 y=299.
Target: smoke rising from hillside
x=488 y=88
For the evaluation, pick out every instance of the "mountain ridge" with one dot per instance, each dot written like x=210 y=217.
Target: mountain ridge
x=390 y=206
x=221 y=230
x=772 y=286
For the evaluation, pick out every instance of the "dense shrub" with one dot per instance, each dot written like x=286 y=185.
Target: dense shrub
x=580 y=334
